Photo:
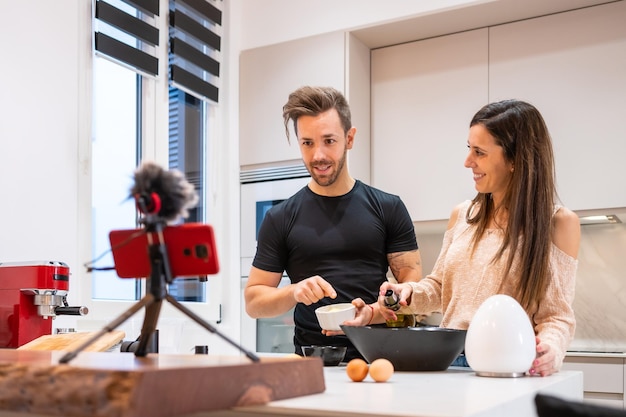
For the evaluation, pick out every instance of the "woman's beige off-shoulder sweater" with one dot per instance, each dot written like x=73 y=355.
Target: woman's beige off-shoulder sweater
x=461 y=281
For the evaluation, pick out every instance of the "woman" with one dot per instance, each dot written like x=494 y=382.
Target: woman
x=512 y=238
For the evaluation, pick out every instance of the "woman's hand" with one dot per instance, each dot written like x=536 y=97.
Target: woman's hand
x=364 y=315
x=543 y=364
x=404 y=293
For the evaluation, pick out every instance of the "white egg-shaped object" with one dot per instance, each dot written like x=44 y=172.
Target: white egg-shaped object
x=500 y=339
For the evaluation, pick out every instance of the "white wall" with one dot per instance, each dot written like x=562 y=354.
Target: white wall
x=41 y=129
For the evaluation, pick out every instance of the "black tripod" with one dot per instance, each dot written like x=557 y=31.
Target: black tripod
x=156 y=292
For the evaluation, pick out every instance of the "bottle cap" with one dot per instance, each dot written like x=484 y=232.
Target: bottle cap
x=391 y=300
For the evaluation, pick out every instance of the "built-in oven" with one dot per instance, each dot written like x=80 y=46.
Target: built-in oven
x=260 y=190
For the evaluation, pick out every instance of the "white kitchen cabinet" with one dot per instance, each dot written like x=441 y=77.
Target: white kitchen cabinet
x=604 y=377
x=572 y=67
x=269 y=74
x=266 y=77
x=424 y=94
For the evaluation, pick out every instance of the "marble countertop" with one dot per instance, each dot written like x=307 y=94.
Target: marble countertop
x=451 y=393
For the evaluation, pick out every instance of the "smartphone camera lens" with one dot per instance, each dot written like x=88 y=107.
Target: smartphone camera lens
x=202 y=251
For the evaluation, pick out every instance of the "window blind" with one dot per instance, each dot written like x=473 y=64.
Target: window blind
x=195 y=46
x=126 y=32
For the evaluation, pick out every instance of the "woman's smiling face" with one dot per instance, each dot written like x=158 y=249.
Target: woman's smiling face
x=492 y=172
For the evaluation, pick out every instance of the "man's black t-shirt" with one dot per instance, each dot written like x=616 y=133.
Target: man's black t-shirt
x=344 y=239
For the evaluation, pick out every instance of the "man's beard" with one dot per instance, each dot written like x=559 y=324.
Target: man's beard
x=328 y=180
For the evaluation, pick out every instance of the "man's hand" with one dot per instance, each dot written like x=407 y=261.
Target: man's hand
x=313 y=289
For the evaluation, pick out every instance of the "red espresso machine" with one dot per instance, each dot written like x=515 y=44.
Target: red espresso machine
x=31 y=295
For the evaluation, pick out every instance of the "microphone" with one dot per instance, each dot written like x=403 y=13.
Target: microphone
x=164 y=193
x=148 y=203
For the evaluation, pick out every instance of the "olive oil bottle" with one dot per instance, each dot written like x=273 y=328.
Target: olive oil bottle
x=405 y=317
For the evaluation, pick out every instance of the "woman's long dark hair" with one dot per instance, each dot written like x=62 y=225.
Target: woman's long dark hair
x=520 y=130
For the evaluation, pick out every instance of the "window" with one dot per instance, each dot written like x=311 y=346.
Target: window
x=115 y=153
x=186 y=154
x=128 y=33
x=142 y=112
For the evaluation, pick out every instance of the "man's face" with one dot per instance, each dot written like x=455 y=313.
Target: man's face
x=324 y=146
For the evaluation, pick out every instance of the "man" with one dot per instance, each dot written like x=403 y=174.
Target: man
x=337 y=237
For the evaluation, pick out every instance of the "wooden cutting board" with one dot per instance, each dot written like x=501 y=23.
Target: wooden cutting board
x=115 y=384
x=71 y=341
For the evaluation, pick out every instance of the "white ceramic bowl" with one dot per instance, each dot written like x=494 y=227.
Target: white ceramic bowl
x=331 y=316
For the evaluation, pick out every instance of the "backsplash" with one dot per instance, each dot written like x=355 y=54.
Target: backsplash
x=600 y=301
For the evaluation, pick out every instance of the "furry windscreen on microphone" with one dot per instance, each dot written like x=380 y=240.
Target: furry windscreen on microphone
x=176 y=193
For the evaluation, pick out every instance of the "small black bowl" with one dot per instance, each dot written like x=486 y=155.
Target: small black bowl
x=427 y=348
x=331 y=355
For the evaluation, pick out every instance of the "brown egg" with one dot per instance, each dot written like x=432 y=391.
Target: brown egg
x=357 y=370
x=381 y=370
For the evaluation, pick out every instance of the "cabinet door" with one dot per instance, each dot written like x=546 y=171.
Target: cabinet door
x=603 y=379
x=572 y=67
x=267 y=76
x=424 y=95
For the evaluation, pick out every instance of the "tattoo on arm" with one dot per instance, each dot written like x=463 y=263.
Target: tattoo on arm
x=401 y=261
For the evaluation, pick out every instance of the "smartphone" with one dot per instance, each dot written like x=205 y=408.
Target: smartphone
x=190 y=248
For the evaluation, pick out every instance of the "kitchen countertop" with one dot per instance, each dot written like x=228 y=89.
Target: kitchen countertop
x=456 y=392
x=452 y=393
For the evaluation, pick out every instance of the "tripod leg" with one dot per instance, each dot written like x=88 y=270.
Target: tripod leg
x=144 y=302
x=149 y=326
x=210 y=328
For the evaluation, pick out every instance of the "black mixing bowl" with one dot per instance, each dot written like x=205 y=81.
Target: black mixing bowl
x=408 y=348
x=331 y=355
